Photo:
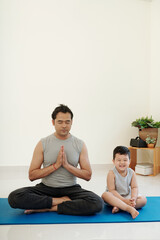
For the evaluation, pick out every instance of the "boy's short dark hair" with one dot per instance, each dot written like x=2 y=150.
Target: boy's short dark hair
x=121 y=150
x=61 y=108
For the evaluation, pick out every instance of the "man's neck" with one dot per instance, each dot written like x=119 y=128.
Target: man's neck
x=62 y=137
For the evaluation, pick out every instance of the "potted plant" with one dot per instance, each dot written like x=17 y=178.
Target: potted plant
x=150 y=142
x=147 y=126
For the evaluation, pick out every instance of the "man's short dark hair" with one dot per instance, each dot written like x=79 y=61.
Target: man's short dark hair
x=121 y=150
x=61 y=108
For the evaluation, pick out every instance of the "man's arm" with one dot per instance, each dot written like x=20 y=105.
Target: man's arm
x=84 y=171
x=35 y=171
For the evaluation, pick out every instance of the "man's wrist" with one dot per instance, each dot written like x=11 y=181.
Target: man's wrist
x=54 y=166
x=57 y=165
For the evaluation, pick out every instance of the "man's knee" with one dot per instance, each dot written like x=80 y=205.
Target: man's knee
x=96 y=205
x=12 y=199
x=99 y=204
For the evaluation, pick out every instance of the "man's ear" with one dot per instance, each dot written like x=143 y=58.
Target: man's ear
x=53 y=122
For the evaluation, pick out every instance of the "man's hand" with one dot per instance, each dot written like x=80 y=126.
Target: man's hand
x=59 y=161
x=84 y=171
x=64 y=158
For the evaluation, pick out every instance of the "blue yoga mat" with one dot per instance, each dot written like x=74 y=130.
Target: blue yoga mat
x=149 y=213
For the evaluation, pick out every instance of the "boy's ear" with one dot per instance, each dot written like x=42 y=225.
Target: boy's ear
x=113 y=160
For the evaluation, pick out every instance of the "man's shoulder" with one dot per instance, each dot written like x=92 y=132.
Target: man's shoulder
x=76 y=139
x=77 y=142
x=48 y=138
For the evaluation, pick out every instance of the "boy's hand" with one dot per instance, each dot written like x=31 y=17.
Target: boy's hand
x=127 y=201
x=133 y=201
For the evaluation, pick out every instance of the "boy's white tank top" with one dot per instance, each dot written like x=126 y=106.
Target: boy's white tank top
x=123 y=184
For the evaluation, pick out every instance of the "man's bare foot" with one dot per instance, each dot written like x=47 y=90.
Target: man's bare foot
x=134 y=213
x=115 y=209
x=56 y=201
x=28 y=211
x=33 y=211
x=65 y=198
x=53 y=209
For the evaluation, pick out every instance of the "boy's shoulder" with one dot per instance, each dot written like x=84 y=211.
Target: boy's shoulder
x=131 y=170
x=111 y=172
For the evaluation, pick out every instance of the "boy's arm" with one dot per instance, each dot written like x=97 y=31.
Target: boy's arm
x=111 y=188
x=111 y=185
x=134 y=187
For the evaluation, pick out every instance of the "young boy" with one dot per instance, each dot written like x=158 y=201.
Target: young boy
x=122 y=188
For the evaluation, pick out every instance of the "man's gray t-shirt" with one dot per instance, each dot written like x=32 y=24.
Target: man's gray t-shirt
x=51 y=147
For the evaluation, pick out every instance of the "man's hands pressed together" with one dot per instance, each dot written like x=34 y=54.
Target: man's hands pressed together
x=61 y=159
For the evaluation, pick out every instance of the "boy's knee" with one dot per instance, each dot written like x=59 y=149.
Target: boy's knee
x=145 y=200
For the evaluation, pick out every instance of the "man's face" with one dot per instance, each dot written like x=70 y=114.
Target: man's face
x=62 y=124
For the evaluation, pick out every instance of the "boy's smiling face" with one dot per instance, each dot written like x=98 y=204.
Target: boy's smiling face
x=121 y=162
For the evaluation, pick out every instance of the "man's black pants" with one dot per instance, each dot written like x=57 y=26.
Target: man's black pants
x=40 y=197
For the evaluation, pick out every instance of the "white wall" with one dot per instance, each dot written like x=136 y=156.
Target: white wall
x=155 y=62
x=93 y=55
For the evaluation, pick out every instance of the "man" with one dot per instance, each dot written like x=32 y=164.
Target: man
x=60 y=154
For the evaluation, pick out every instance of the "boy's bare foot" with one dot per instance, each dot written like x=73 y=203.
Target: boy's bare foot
x=134 y=213
x=115 y=209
